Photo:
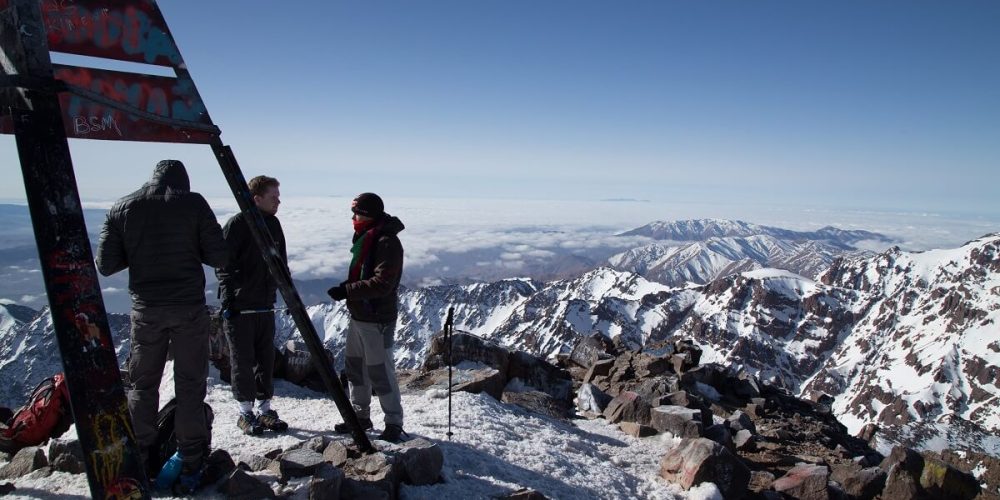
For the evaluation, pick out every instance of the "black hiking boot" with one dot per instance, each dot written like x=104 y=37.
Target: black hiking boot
x=344 y=428
x=393 y=433
x=249 y=424
x=270 y=421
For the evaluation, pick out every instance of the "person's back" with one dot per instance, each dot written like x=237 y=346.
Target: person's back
x=163 y=233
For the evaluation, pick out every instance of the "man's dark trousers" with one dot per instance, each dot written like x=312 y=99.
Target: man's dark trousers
x=183 y=332
x=251 y=338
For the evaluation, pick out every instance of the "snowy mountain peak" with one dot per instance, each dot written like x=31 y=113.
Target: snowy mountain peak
x=703 y=229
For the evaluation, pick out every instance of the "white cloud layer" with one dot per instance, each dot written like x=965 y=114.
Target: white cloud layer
x=519 y=233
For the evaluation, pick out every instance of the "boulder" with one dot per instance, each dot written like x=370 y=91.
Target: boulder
x=600 y=368
x=745 y=441
x=24 y=461
x=239 y=485
x=537 y=402
x=535 y=372
x=354 y=488
x=720 y=434
x=858 y=482
x=646 y=366
x=629 y=407
x=591 y=401
x=335 y=453
x=867 y=433
x=218 y=464
x=682 y=362
x=66 y=456
x=373 y=475
x=256 y=463
x=739 y=421
x=325 y=483
x=805 y=482
x=589 y=350
x=903 y=467
x=688 y=346
x=636 y=430
x=941 y=480
x=760 y=480
x=296 y=463
x=744 y=386
x=422 y=461
x=699 y=460
x=467 y=377
x=656 y=388
x=466 y=347
x=524 y=494
x=677 y=420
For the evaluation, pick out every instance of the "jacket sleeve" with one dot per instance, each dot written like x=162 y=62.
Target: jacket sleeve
x=111 y=256
x=385 y=277
x=214 y=252
x=236 y=235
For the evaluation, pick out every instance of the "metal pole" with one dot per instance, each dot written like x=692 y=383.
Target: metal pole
x=448 y=326
x=97 y=396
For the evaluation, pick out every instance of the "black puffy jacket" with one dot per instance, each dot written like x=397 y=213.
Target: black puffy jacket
x=246 y=282
x=162 y=233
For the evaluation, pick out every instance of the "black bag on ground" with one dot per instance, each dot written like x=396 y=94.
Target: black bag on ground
x=166 y=439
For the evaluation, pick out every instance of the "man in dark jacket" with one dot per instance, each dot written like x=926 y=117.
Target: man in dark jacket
x=371 y=291
x=247 y=291
x=163 y=233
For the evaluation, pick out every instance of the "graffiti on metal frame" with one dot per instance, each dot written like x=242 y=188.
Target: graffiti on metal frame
x=170 y=98
x=125 y=30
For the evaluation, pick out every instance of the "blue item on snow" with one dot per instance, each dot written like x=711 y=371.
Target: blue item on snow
x=170 y=472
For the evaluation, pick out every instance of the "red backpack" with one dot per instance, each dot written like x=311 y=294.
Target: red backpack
x=46 y=415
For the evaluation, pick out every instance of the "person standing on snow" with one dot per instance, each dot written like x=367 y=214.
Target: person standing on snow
x=163 y=233
x=247 y=285
x=371 y=292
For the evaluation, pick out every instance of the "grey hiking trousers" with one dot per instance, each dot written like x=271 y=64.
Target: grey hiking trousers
x=183 y=332
x=369 y=365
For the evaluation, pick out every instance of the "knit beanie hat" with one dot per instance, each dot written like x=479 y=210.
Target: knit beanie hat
x=368 y=204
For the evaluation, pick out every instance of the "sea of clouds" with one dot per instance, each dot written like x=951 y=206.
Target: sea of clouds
x=453 y=240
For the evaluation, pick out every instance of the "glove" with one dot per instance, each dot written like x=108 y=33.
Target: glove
x=337 y=293
x=226 y=309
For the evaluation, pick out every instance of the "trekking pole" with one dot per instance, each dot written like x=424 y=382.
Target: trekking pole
x=448 y=326
x=229 y=314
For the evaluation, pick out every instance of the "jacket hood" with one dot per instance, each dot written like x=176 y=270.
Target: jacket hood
x=172 y=175
x=392 y=225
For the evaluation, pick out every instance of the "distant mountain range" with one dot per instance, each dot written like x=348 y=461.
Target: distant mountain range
x=704 y=229
x=907 y=341
x=699 y=251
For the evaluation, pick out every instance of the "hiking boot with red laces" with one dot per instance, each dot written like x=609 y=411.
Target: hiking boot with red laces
x=270 y=421
x=249 y=424
x=344 y=428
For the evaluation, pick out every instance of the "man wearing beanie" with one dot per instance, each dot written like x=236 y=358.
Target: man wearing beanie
x=371 y=292
x=163 y=234
x=248 y=291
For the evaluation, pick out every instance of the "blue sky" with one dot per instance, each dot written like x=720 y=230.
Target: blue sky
x=877 y=105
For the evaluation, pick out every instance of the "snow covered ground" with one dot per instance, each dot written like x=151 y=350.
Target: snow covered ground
x=495 y=449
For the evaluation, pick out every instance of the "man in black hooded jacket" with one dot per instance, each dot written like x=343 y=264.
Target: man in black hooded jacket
x=163 y=234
